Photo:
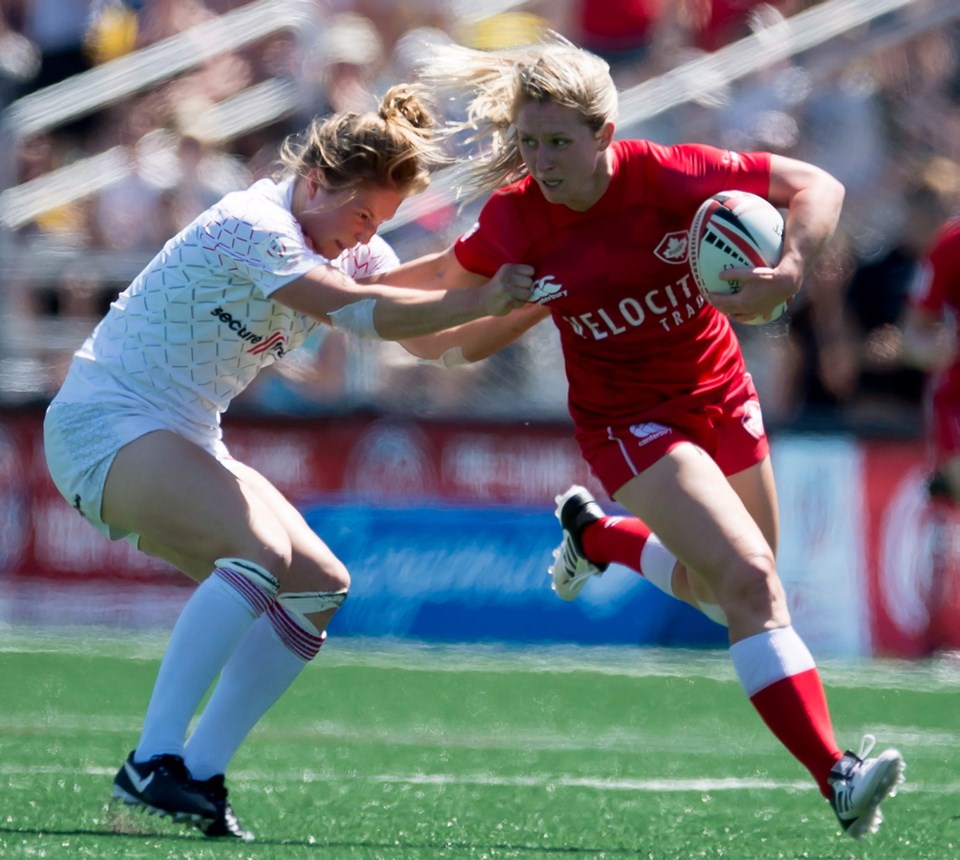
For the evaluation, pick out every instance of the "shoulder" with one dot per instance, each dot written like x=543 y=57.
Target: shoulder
x=256 y=217
x=523 y=192
x=512 y=207
x=363 y=261
x=943 y=253
x=688 y=157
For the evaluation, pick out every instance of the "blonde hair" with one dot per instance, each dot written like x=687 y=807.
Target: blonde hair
x=396 y=147
x=499 y=83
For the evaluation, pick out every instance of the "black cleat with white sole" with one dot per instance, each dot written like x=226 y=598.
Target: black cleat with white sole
x=576 y=509
x=225 y=824
x=162 y=785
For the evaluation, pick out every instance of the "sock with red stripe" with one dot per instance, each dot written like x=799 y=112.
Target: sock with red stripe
x=779 y=675
x=628 y=541
x=267 y=661
x=210 y=626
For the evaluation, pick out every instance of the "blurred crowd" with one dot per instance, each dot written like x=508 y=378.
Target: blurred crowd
x=879 y=107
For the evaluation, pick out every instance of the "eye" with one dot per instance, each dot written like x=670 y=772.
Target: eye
x=528 y=142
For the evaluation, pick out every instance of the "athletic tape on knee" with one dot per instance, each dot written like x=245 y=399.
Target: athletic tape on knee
x=255 y=584
x=356 y=319
x=309 y=602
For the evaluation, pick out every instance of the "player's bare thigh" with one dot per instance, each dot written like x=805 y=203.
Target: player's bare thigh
x=313 y=566
x=187 y=506
x=691 y=505
x=757 y=489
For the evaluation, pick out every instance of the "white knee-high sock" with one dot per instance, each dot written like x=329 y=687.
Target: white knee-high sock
x=264 y=665
x=210 y=625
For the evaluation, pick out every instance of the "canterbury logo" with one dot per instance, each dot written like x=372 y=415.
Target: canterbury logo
x=648 y=431
x=546 y=289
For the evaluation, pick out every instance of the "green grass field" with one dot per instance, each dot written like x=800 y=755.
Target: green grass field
x=402 y=751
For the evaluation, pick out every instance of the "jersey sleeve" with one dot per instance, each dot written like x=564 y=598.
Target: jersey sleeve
x=937 y=279
x=684 y=175
x=266 y=247
x=497 y=237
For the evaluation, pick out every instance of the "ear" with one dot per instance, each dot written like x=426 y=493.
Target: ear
x=316 y=181
x=605 y=136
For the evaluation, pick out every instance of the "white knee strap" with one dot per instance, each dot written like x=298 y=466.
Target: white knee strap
x=254 y=572
x=309 y=602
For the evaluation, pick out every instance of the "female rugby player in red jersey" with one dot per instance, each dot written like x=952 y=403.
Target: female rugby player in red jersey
x=931 y=333
x=664 y=410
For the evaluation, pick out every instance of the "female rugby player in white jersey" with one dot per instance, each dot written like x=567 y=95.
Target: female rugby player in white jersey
x=663 y=408
x=133 y=437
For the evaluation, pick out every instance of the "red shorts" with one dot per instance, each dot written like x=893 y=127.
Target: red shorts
x=730 y=431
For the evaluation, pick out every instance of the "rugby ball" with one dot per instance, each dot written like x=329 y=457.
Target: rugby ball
x=734 y=230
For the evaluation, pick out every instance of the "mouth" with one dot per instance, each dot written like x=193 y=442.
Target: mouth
x=551 y=183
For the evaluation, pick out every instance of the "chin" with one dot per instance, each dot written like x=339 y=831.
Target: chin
x=555 y=194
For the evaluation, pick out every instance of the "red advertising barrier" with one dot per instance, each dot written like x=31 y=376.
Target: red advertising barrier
x=909 y=547
x=912 y=548
x=362 y=459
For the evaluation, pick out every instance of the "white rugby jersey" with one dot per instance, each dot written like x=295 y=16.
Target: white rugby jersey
x=198 y=324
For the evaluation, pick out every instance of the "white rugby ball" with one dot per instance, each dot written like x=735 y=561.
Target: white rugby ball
x=734 y=230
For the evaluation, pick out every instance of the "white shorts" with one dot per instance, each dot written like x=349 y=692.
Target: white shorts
x=81 y=439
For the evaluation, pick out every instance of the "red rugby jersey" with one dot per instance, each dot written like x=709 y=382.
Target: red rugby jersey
x=936 y=289
x=637 y=336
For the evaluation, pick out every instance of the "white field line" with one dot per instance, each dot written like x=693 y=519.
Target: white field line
x=915 y=742
x=941 y=675
x=545 y=781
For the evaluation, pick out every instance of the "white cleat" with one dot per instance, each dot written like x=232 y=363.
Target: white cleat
x=571 y=569
x=859 y=785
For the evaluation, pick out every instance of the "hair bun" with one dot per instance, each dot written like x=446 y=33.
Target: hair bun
x=403 y=103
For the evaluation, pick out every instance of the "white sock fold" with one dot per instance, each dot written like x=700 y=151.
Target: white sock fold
x=765 y=658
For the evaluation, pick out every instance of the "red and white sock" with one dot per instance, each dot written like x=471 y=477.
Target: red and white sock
x=778 y=673
x=628 y=541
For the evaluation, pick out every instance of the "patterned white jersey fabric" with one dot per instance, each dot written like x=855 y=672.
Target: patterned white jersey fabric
x=198 y=324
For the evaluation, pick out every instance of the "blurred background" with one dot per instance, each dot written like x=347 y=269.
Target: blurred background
x=122 y=120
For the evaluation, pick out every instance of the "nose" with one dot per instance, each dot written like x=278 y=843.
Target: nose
x=544 y=161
